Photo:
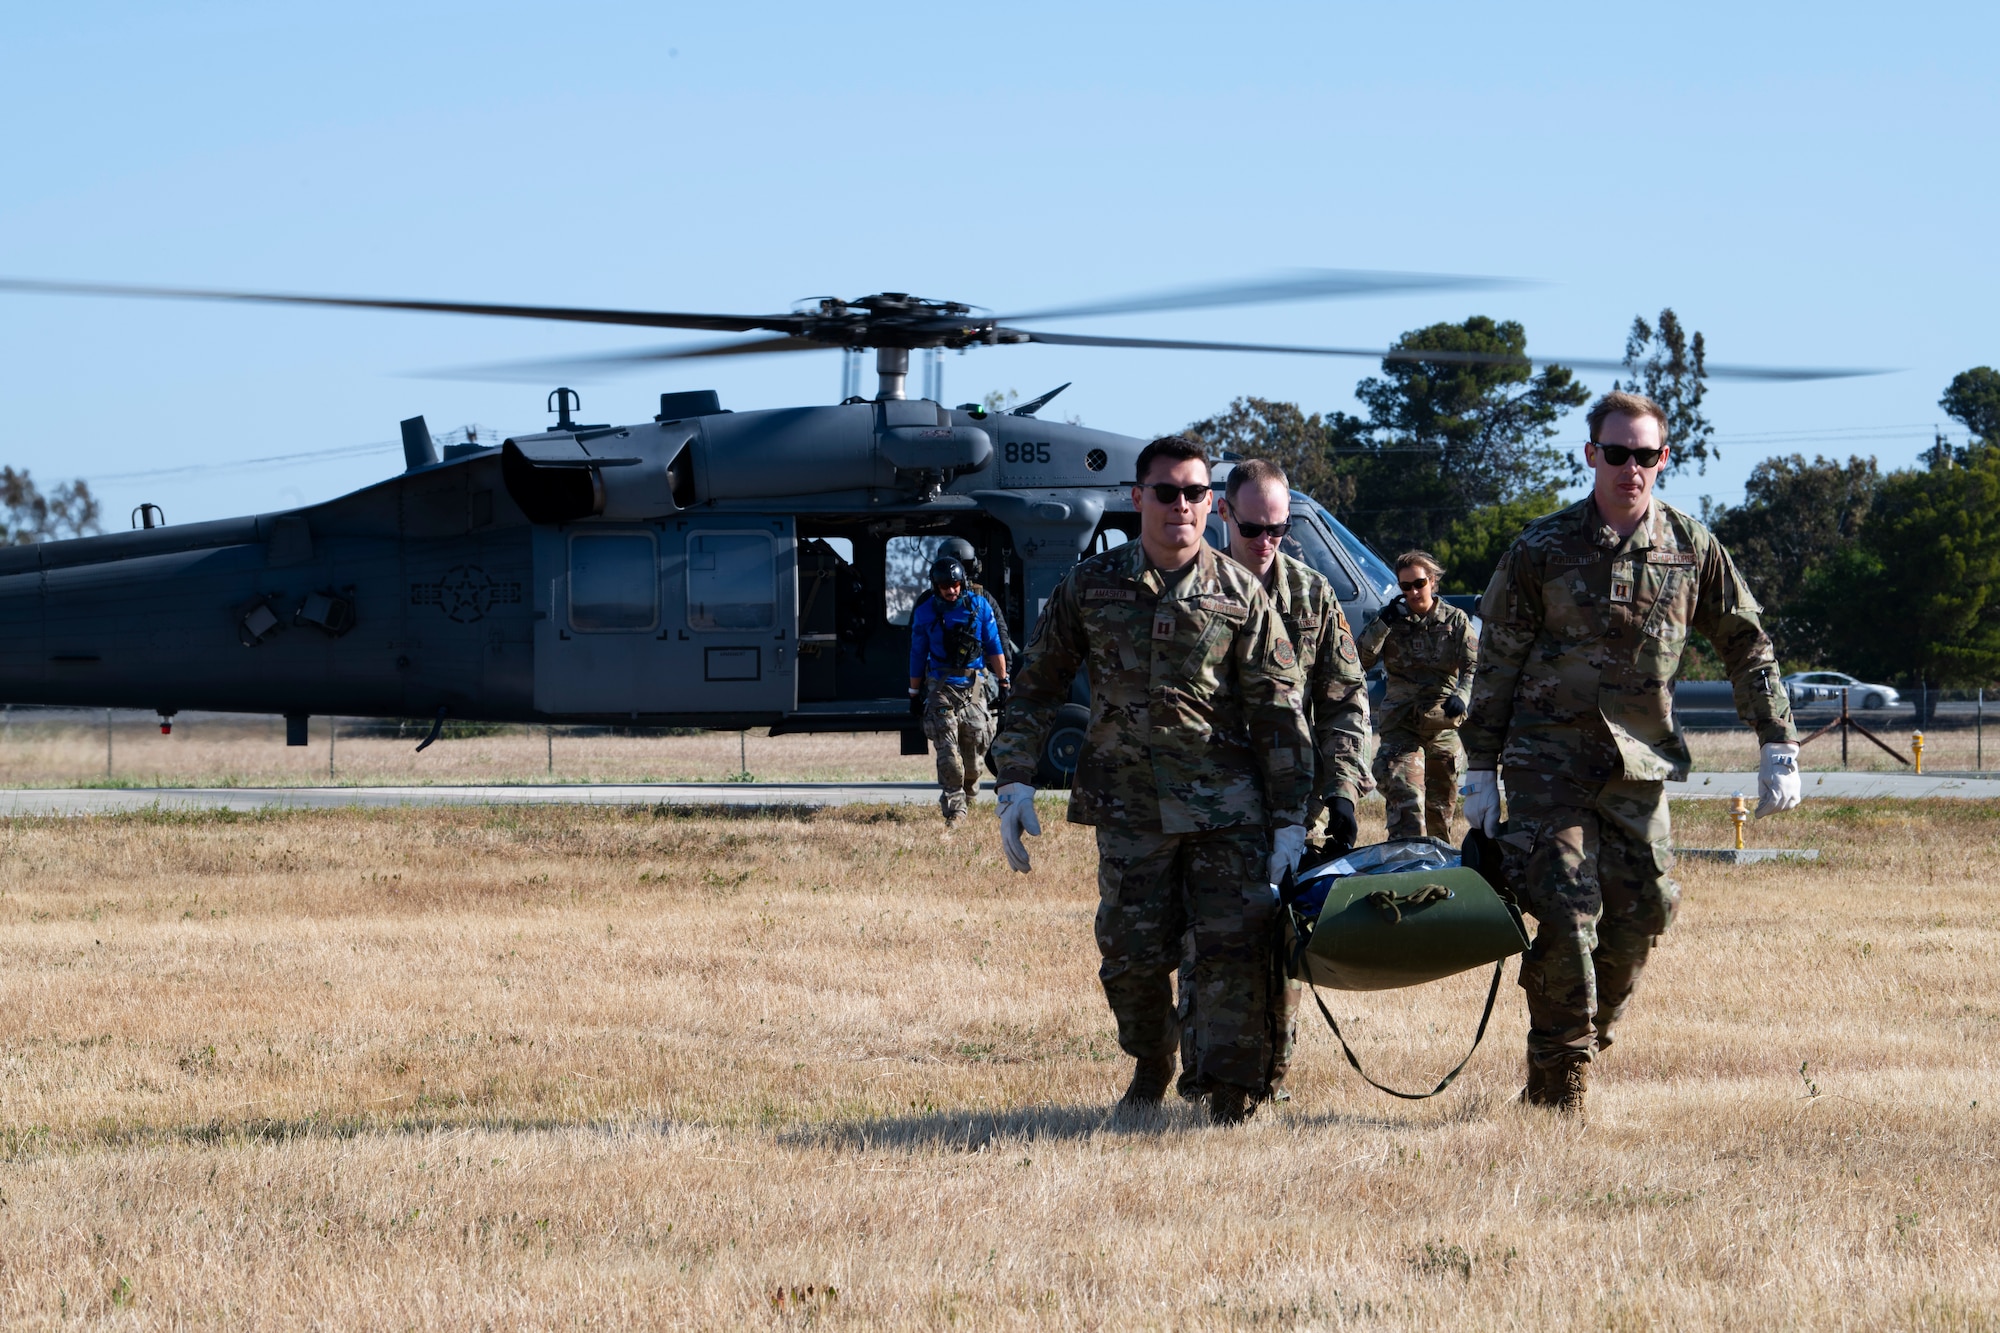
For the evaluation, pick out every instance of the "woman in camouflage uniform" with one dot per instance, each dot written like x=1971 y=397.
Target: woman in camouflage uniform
x=1429 y=650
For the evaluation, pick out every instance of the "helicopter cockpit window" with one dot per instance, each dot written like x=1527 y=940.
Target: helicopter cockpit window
x=732 y=581
x=613 y=581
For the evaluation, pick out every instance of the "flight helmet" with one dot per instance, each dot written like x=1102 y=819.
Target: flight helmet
x=959 y=549
x=946 y=571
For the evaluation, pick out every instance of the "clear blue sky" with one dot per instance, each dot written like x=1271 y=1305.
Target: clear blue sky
x=1806 y=184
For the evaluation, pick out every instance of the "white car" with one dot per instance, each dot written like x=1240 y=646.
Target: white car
x=1809 y=686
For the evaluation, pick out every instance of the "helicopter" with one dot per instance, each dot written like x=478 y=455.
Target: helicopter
x=709 y=568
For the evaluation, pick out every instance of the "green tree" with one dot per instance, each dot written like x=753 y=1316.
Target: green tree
x=1283 y=433
x=27 y=516
x=1672 y=369
x=1445 y=438
x=1795 y=515
x=1973 y=401
x=1471 y=547
x=1914 y=598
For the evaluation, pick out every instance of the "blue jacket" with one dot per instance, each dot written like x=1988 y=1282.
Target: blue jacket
x=934 y=619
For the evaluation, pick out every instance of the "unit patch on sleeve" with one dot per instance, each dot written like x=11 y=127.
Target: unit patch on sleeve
x=1282 y=654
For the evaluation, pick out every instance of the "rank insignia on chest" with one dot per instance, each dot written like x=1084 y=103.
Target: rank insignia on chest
x=1163 y=625
x=1621 y=581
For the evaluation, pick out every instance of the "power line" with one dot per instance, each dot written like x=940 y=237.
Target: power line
x=459 y=435
x=315 y=455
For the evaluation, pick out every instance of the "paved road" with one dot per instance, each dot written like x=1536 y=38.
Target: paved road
x=752 y=795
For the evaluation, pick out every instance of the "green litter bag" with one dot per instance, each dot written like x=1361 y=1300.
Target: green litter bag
x=1401 y=914
x=1382 y=928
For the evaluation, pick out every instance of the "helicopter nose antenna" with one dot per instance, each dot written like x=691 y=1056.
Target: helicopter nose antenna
x=562 y=402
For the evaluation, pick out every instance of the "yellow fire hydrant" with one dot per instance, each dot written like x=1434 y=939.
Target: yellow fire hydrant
x=1917 y=744
x=1739 y=810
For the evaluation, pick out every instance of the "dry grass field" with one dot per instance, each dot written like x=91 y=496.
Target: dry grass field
x=569 y=1067
x=252 y=753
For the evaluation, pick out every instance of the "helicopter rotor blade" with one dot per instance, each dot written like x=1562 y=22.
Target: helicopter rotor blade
x=1304 y=284
x=1718 y=372
x=657 y=319
x=616 y=363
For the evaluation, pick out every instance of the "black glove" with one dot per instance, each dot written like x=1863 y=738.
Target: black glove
x=1000 y=699
x=917 y=703
x=1454 y=708
x=1341 y=828
x=1393 y=610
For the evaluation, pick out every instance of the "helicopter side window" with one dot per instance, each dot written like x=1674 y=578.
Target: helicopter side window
x=907 y=575
x=732 y=581
x=613 y=581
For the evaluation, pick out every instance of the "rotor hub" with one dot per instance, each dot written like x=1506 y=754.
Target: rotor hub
x=899 y=320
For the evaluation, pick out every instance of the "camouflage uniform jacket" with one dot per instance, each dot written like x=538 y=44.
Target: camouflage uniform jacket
x=1194 y=697
x=1336 y=691
x=1429 y=659
x=1583 y=636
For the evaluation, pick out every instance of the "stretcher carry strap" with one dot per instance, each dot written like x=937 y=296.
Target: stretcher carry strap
x=1492 y=993
x=1391 y=905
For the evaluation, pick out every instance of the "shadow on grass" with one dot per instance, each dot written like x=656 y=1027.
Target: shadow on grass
x=967 y=1130
x=972 y=1130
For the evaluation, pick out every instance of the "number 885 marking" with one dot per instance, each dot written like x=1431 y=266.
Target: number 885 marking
x=1024 y=451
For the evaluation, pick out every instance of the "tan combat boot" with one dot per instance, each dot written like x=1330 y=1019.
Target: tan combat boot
x=1150 y=1077
x=1568 y=1082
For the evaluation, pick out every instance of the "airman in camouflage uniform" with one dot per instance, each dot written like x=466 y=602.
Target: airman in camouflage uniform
x=1429 y=657
x=1196 y=744
x=1336 y=705
x=1582 y=637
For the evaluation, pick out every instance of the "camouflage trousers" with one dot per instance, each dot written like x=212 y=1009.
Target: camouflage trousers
x=1153 y=891
x=1287 y=996
x=1591 y=863
x=959 y=729
x=1418 y=772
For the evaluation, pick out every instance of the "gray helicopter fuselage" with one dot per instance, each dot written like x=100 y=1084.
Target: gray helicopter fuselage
x=706 y=568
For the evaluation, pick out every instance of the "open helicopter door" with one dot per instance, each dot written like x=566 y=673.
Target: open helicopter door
x=674 y=617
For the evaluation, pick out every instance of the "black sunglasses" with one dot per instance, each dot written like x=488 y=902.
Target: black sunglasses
x=1618 y=454
x=1252 y=531
x=1411 y=585
x=1166 y=492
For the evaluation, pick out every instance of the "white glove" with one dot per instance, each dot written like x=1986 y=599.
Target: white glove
x=1288 y=844
x=1482 y=800
x=1778 y=778
x=1017 y=816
